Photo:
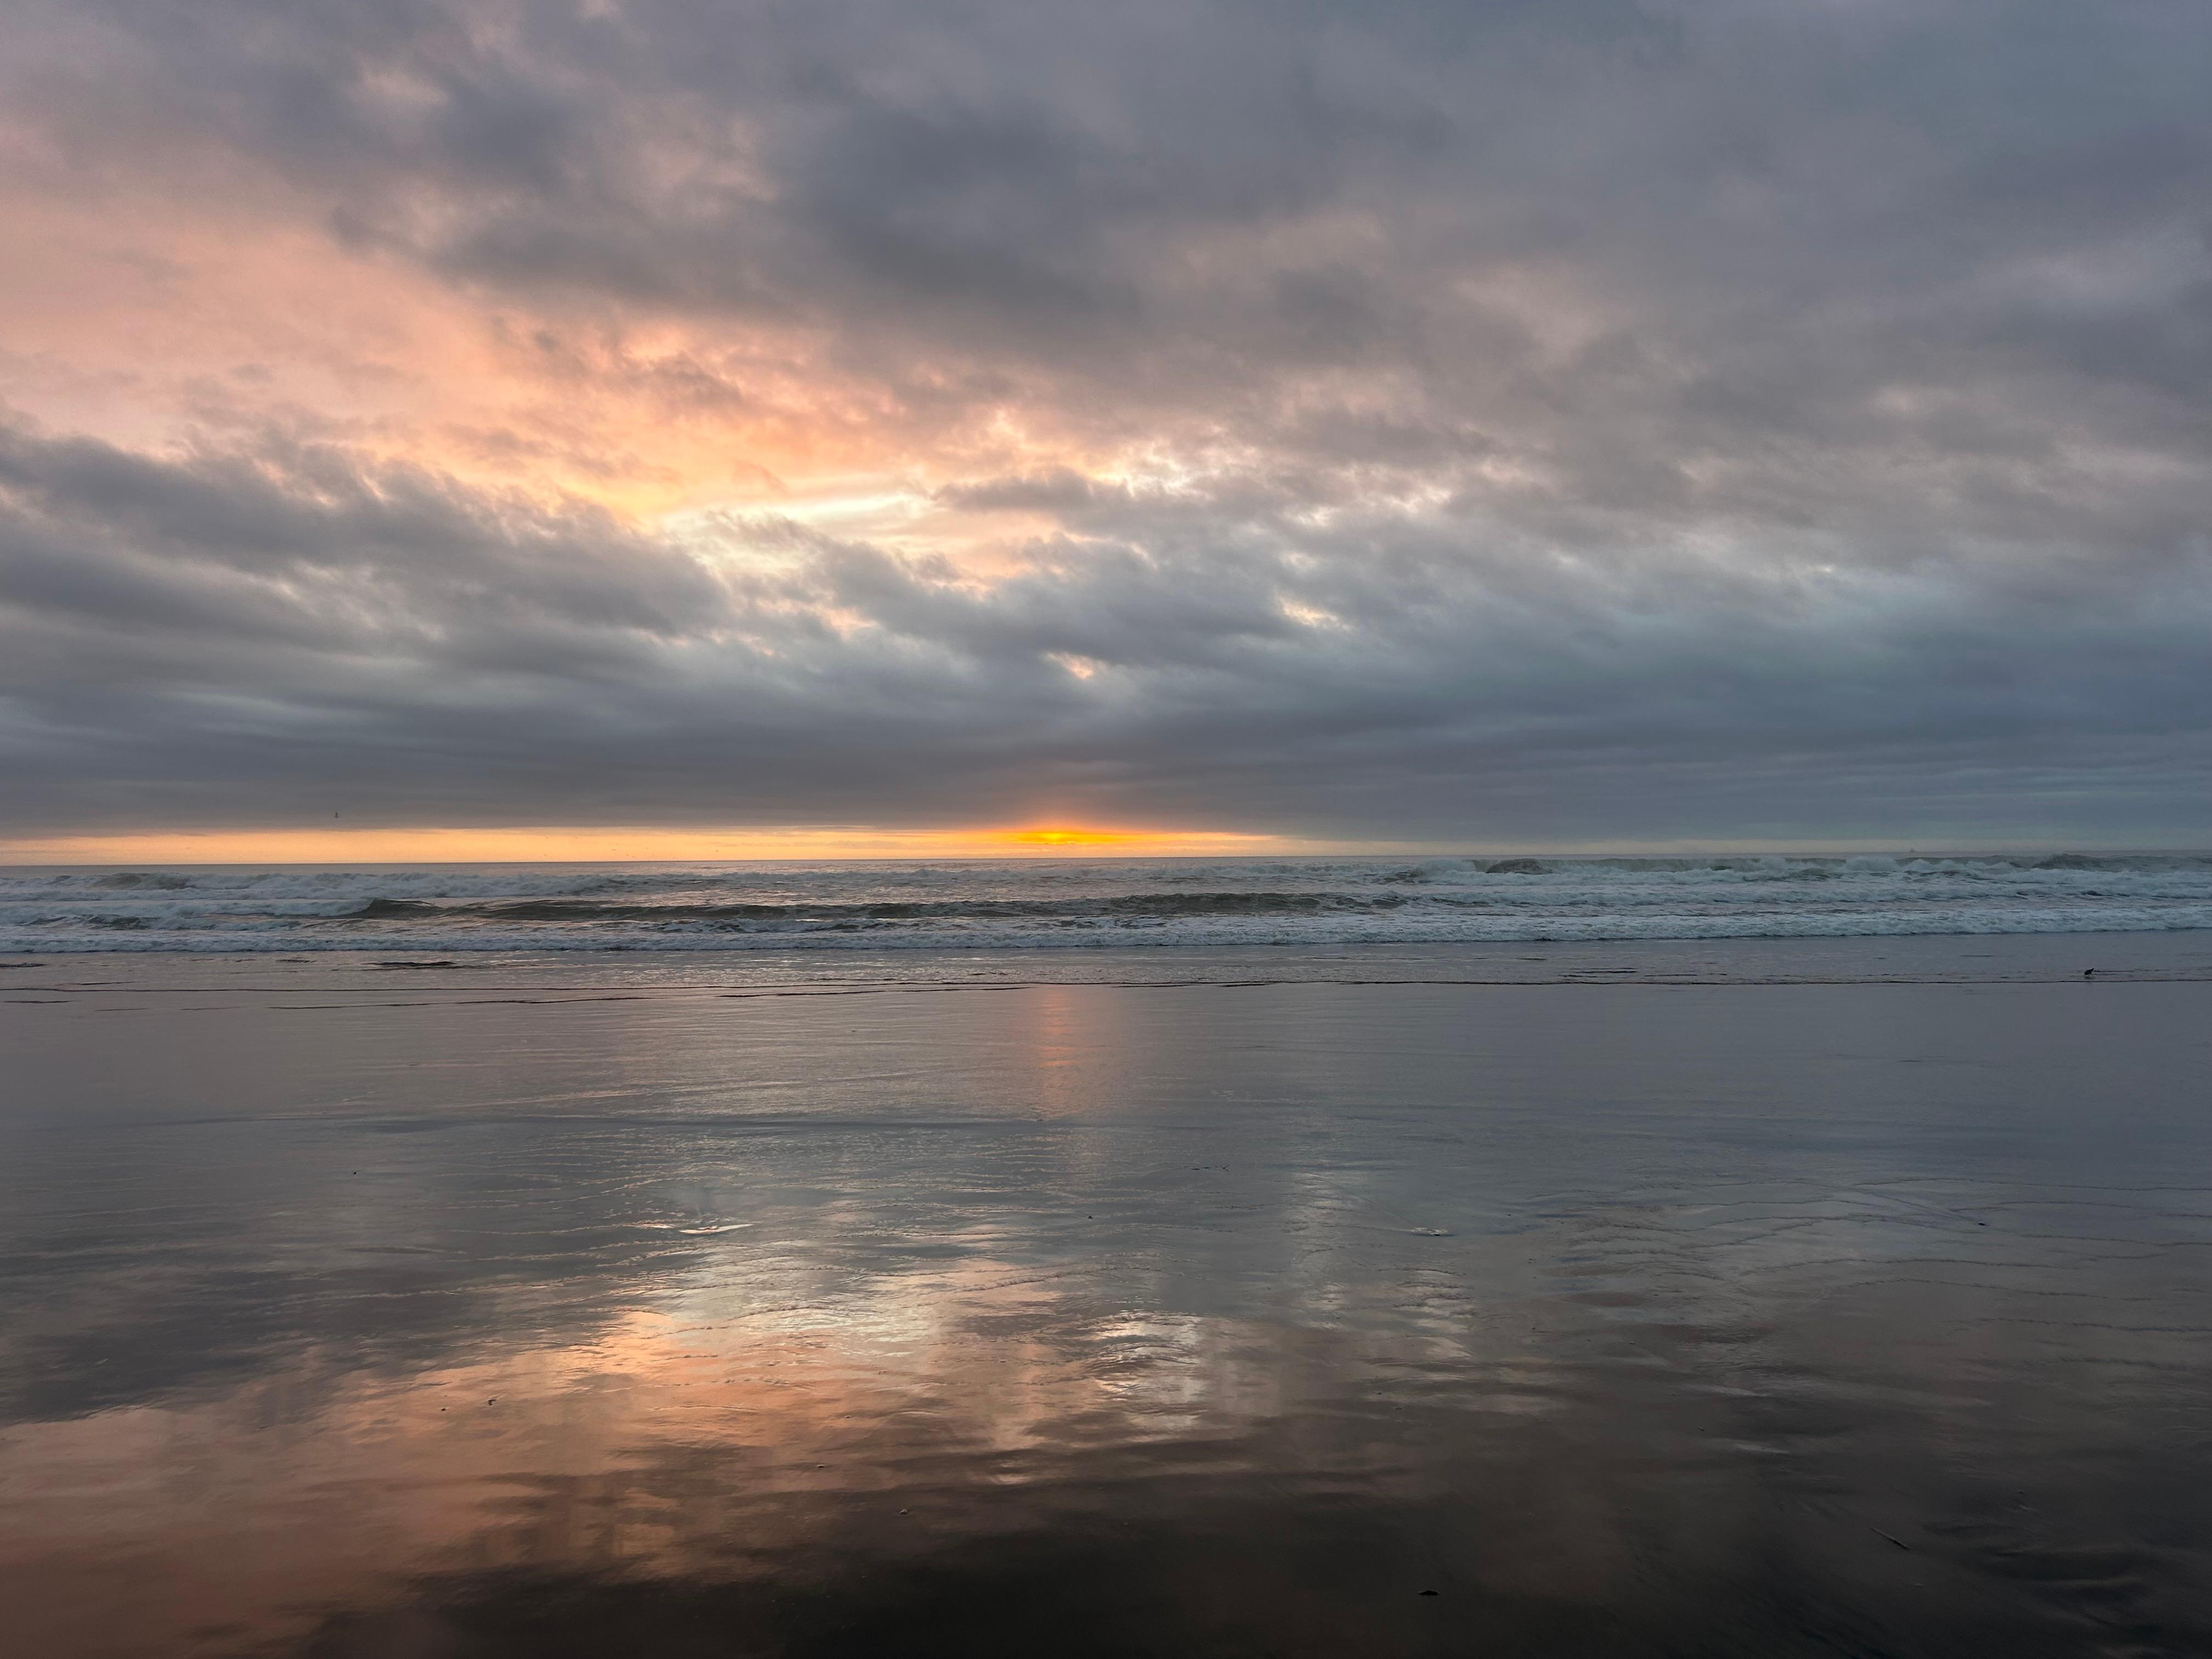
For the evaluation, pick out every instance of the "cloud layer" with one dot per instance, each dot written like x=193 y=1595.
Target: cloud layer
x=1576 y=422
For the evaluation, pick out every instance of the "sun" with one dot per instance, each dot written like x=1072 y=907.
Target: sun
x=1073 y=837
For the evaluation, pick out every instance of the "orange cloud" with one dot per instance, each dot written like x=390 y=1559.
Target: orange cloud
x=150 y=315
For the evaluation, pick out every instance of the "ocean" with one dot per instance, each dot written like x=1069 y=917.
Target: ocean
x=1072 y=904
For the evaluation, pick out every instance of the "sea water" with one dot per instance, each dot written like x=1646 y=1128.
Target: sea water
x=1062 y=904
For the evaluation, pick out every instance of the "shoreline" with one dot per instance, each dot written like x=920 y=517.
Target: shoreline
x=2117 y=957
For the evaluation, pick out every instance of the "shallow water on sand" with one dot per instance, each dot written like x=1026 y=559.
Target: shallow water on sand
x=1304 y=1318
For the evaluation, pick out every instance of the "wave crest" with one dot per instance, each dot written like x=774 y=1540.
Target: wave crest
x=1322 y=901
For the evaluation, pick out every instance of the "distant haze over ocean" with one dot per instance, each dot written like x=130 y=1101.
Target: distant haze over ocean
x=1032 y=905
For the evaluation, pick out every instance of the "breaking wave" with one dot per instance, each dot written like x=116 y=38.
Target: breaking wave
x=1043 y=904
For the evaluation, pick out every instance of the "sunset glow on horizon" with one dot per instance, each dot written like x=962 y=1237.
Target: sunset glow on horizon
x=557 y=845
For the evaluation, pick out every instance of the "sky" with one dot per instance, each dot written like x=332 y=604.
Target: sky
x=652 y=426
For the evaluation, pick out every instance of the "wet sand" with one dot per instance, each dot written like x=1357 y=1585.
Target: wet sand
x=579 y=1309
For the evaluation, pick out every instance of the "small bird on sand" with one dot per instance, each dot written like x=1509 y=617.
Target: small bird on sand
x=2088 y=973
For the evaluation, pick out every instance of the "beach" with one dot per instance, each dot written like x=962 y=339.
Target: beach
x=1013 y=830
x=1724 y=1297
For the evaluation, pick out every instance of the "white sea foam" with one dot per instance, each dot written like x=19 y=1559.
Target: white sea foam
x=1059 y=905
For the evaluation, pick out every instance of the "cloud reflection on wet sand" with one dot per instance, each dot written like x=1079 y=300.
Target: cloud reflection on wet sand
x=1090 y=1321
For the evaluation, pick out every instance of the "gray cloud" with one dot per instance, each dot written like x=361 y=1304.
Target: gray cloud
x=496 y=664
x=1580 y=420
